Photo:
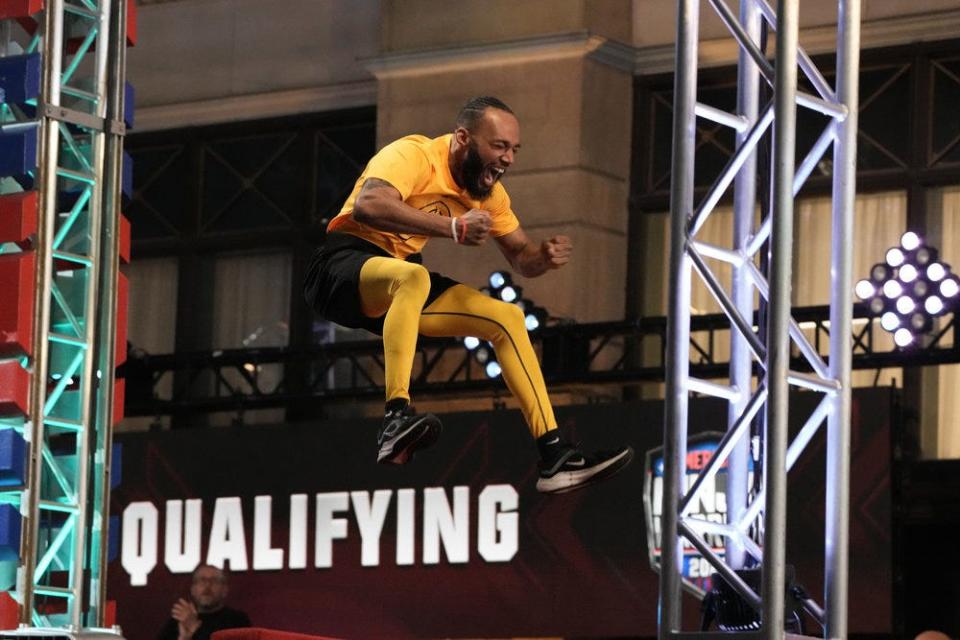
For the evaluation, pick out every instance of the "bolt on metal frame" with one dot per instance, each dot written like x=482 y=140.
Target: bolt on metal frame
x=79 y=122
x=771 y=351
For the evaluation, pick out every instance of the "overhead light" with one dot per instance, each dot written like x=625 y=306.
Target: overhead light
x=509 y=293
x=949 y=288
x=935 y=272
x=499 y=279
x=908 y=273
x=910 y=290
x=865 y=289
x=892 y=289
x=933 y=305
x=890 y=321
x=924 y=256
x=903 y=337
x=909 y=241
x=895 y=257
x=535 y=318
x=905 y=305
x=482 y=354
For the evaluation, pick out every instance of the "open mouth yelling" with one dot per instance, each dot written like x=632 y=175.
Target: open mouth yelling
x=491 y=175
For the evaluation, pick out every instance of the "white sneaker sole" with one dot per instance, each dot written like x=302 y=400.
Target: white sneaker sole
x=565 y=481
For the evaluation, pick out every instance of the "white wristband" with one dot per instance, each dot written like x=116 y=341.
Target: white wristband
x=453 y=229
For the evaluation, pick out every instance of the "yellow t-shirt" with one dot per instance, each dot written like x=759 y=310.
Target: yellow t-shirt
x=417 y=167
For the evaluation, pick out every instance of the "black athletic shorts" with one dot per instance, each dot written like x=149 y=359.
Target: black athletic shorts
x=332 y=284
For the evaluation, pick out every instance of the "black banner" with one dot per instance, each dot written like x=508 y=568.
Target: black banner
x=321 y=539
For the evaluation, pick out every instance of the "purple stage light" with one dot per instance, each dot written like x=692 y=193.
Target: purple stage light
x=919 y=322
x=908 y=273
x=890 y=321
x=895 y=257
x=924 y=256
x=949 y=288
x=879 y=272
x=865 y=289
x=933 y=305
x=903 y=338
x=936 y=272
x=910 y=241
x=892 y=289
x=910 y=290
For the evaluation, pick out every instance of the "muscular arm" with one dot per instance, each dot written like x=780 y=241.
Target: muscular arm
x=532 y=259
x=380 y=206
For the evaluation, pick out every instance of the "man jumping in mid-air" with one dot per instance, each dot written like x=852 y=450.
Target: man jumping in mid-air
x=368 y=274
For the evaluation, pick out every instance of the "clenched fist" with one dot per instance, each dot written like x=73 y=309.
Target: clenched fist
x=474 y=227
x=556 y=251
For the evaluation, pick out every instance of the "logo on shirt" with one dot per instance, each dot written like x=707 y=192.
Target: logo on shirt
x=438 y=207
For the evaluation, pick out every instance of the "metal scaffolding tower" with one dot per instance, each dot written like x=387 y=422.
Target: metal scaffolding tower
x=755 y=527
x=77 y=119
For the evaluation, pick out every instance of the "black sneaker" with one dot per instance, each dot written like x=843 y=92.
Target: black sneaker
x=571 y=469
x=404 y=432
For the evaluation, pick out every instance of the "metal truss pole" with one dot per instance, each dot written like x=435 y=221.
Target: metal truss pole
x=747 y=545
x=107 y=307
x=841 y=308
x=46 y=181
x=744 y=205
x=59 y=579
x=778 y=354
x=678 y=326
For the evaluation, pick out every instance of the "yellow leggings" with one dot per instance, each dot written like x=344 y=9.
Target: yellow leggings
x=399 y=290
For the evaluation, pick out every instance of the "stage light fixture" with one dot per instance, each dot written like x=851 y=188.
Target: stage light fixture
x=905 y=305
x=892 y=289
x=502 y=288
x=890 y=321
x=924 y=256
x=909 y=290
x=908 y=273
x=879 y=272
x=895 y=256
x=903 y=337
x=936 y=272
x=535 y=318
x=510 y=293
x=949 y=288
x=909 y=241
x=920 y=322
x=933 y=305
x=483 y=354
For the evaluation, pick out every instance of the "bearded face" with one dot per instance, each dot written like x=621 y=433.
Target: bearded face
x=486 y=152
x=479 y=177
